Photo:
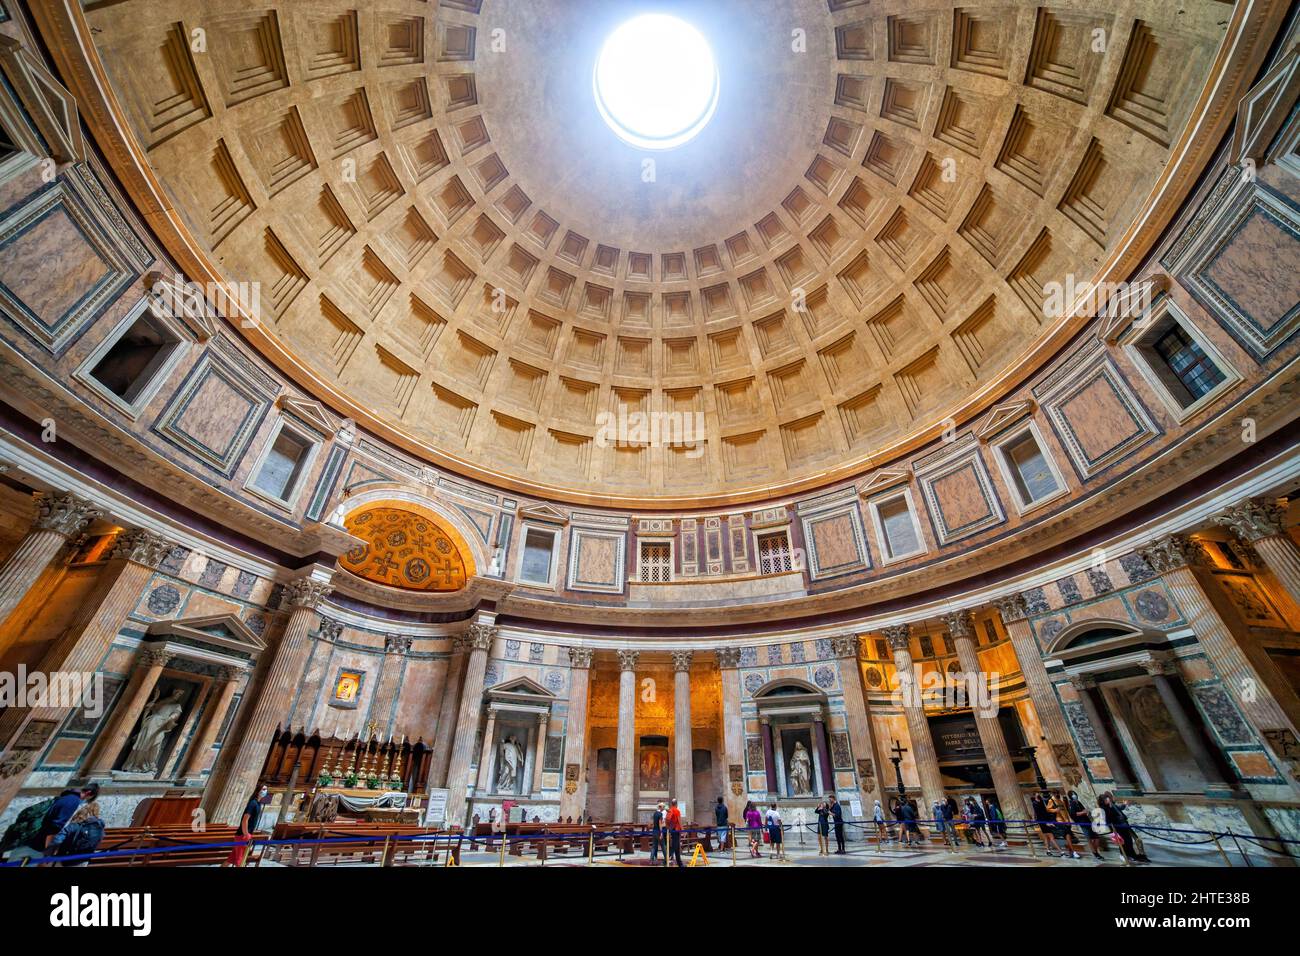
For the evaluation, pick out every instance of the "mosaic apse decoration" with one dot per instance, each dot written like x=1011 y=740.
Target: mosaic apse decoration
x=405 y=549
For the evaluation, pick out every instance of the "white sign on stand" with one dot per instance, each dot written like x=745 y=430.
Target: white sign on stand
x=855 y=807
x=436 y=814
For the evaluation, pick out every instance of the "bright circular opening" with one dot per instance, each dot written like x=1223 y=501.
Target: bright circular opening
x=655 y=81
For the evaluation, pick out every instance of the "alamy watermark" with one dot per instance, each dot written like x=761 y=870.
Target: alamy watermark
x=625 y=428
x=66 y=689
x=951 y=690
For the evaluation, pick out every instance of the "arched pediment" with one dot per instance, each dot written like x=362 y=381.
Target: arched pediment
x=1101 y=635
x=784 y=687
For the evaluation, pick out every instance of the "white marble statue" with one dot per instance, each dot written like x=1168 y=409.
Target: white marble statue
x=512 y=758
x=800 y=771
x=160 y=716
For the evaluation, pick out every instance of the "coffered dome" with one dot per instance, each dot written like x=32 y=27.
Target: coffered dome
x=455 y=249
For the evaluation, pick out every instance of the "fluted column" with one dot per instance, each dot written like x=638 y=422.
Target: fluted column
x=539 y=750
x=274 y=694
x=80 y=647
x=144 y=678
x=573 y=801
x=1063 y=764
x=848 y=652
x=1003 y=771
x=60 y=517
x=196 y=761
x=918 y=729
x=1086 y=688
x=445 y=731
x=683 y=771
x=625 y=763
x=480 y=638
x=1262 y=525
x=486 y=753
x=1165 y=676
x=733 y=730
x=769 y=755
x=1246 y=672
x=824 y=754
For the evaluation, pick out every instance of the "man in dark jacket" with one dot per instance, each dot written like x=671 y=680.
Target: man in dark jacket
x=720 y=817
x=656 y=831
x=56 y=817
x=837 y=817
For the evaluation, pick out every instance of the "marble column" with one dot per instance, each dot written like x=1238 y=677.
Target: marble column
x=445 y=731
x=824 y=754
x=1261 y=523
x=918 y=728
x=573 y=799
x=200 y=752
x=539 y=751
x=733 y=730
x=480 y=638
x=1062 y=766
x=486 y=753
x=847 y=649
x=1086 y=687
x=61 y=516
x=625 y=763
x=962 y=630
x=274 y=694
x=769 y=756
x=683 y=766
x=1247 y=673
x=144 y=678
x=80 y=647
x=1166 y=678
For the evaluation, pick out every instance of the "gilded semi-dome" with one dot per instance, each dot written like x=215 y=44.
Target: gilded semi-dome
x=452 y=247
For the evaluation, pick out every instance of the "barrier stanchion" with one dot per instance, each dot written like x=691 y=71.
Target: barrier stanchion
x=1029 y=839
x=1218 y=846
x=502 y=860
x=1243 y=853
x=591 y=846
x=731 y=834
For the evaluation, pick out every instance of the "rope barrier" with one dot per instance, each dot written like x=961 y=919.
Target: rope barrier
x=630 y=833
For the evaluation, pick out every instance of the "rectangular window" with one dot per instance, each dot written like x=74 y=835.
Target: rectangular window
x=898 y=527
x=1188 y=364
x=656 y=566
x=539 y=549
x=1030 y=472
x=774 y=553
x=282 y=467
x=126 y=365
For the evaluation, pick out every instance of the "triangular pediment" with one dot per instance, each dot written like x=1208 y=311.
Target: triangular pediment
x=521 y=686
x=882 y=479
x=313 y=413
x=225 y=631
x=544 y=513
x=1002 y=417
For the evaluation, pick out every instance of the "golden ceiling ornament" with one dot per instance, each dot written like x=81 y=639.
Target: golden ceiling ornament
x=406 y=549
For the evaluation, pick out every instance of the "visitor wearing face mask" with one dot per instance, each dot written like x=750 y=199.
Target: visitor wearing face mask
x=248 y=821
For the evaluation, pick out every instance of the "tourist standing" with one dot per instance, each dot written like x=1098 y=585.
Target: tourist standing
x=775 y=832
x=976 y=820
x=1080 y=815
x=837 y=817
x=823 y=812
x=1046 y=824
x=1117 y=819
x=720 y=817
x=674 y=832
x=911 y=831
x=754 y=823
x=997 y=826
x=1060 y=810
x=81 y=834
x=656 y=831
x=878 y=818
x=248 y=821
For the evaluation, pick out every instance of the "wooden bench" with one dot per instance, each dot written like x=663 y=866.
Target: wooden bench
x=161 y=837
x=361 y=842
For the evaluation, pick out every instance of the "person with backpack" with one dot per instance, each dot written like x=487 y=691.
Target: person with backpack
x=55 y=817
x=81 y=835
x=997 y=827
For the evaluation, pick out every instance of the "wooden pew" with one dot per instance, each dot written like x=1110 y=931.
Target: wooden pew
x=157 y=837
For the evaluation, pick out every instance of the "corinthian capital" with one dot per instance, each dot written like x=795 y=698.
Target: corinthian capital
x=728 y=657
x=1253 y=519
x=142 y=547
x=580 y=657
x=1012 y=607
x=63 y=512
x=897 y=636
x=307 y=593
x=959 y=624
x=329 y=629
x=846 y=645
x=627 y=660
x=1172 y=552
x=682 y=660
x=480 y=636
x=397 y=644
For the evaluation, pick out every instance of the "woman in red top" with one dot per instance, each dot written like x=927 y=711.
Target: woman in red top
x=754 y=822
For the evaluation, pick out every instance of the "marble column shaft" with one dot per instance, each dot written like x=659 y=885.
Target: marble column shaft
x=144 y=678
x=857 y=714
x=992 y=739
x=60 y=516
x=1164 y=674
x=824 y=754
x=683 y=768
x=480 y=637
x=918 y=728
x=200 y=752
x=539 y=751
x=445 y=731
x=573 y=804
x=1110 y=747
x=769 y=757
x=1246 y=672
x=274 y=696
x=1046 y=705
x=82 y=644
x=733 y=731
x=625 y=760
x=486 y=753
